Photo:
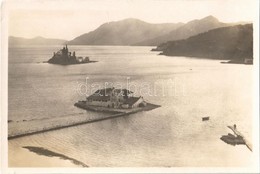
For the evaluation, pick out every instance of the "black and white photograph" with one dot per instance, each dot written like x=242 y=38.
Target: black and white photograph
x=129 y=86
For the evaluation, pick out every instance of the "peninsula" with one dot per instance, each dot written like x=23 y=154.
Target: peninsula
x=64 y=57
x=232 y=43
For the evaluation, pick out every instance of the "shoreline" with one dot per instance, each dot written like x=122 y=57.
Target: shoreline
x=82 y=105
x=236 y=62
x=91 y=61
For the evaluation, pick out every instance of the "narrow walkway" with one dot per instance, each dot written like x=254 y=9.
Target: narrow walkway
x=26 y=128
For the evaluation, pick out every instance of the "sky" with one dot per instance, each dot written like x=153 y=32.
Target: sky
x=67 y=19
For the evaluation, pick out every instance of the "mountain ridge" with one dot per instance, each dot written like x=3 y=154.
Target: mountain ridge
x=191 y=28
x=133 y=32
x=136 y=32
x=123 y=32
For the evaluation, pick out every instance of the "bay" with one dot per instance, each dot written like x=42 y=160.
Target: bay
x=170 y=136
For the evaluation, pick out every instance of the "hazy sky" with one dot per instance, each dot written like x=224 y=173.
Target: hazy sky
x=71 y=18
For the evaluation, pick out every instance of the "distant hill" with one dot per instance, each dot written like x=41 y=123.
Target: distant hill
x=132 y=32
x=34 y=41
x=231 y=43
x=124 y=32
x=136 y=32
x=191 y=28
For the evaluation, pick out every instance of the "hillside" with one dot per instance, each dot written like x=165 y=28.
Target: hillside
x=191 y=28
x=34 y=41
x=230 y=43
x=124 y=32
x=136 y=32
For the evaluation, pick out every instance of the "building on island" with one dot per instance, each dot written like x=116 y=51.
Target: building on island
x=64 y=57
x=115 y=98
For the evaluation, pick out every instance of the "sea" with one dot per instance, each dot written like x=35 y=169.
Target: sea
x=173 y=135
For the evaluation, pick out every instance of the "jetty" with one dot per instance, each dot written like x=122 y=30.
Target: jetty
x=237 y=139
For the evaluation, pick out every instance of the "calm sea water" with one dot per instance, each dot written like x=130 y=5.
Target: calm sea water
x=172 y=135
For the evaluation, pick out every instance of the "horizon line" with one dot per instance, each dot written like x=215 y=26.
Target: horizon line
x=65 y=39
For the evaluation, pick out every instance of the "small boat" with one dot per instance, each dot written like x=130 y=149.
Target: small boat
x=205 y=118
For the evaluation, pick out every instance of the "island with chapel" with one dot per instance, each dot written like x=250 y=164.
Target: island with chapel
x=113 y=100
x=64 y=57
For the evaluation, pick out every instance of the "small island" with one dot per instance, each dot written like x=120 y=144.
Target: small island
x=64 y=57
x=118 y=101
